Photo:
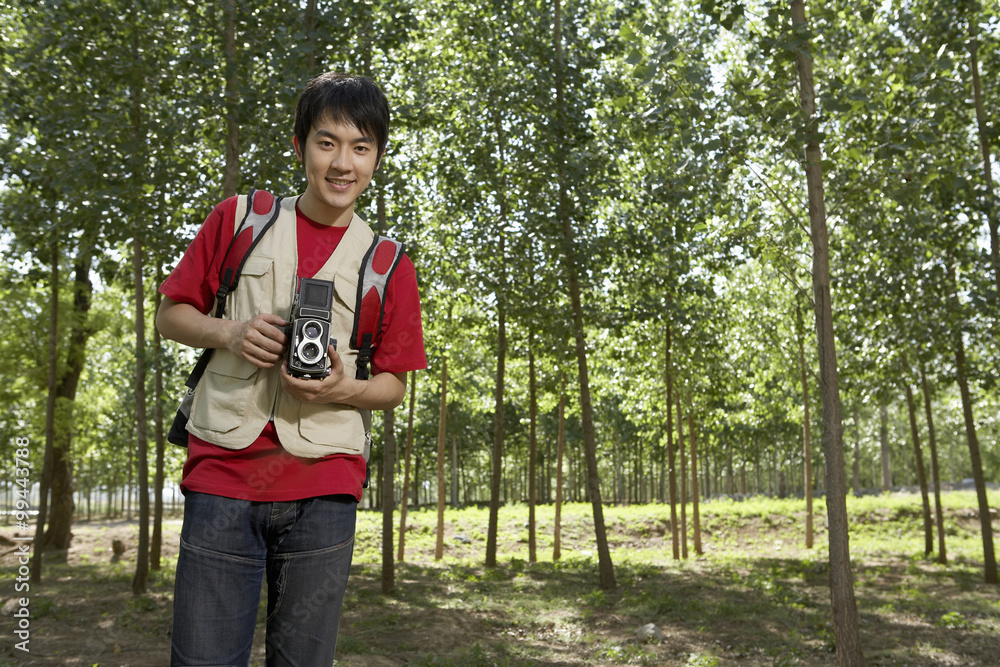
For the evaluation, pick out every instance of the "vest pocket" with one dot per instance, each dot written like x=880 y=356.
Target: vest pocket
x=220 y=401
x=346 y=289
x=338 y=426
x=345 y=298
x=256 y=287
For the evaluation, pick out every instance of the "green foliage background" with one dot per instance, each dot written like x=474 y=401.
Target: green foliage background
x=684 y=166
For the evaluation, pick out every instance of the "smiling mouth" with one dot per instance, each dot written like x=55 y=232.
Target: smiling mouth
x=339 y=182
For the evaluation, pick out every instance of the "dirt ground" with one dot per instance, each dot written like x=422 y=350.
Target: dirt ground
x=771 y=611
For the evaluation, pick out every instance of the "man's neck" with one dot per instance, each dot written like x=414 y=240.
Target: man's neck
x=314 y=209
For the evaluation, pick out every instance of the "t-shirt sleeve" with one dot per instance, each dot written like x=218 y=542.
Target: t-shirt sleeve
x=195 y=279
x=402 y=346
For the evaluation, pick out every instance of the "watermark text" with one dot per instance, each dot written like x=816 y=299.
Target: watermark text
x=22 y=508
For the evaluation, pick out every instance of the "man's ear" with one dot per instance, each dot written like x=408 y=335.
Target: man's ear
x=298 y=149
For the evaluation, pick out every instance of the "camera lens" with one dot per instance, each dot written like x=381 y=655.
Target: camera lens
x=309 y=352
x=312 y=329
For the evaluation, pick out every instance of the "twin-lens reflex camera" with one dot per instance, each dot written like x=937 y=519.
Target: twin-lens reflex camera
x=309 y=330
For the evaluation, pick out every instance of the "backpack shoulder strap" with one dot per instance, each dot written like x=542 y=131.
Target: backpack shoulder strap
x=379 y=264
x=262 y=210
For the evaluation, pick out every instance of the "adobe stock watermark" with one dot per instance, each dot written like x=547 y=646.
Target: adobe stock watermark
x=22 y=507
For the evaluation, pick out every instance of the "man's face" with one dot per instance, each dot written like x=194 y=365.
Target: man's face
x=339 y=162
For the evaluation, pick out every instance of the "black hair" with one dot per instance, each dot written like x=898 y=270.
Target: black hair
x=343 y=98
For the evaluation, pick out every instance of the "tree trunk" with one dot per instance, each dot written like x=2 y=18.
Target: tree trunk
x=90 y=486
x=532 y=447
x=921 y=475
x=498 y=418
x=156 y=542
x=142 y=434
x=806 y=423
x=310 y=40
x=501 y=300
x=231 y=171
x=406 y=468
x=416 y=478
x=695 y=515
x=684 y=484
x=662 y=459
x=935 y=479
x=775 y=470
x=58 y=534
x=617 y=483
x=129 y=486
x=142 y=444
x=857 y=451
x=845 y=611
x=61 y=505
x=560 y=445
x=50 y=412
x=730 y=474
x=675 y=539
x=605 y=566
x=387 y=474
x=756 y=464
x=989 y=558
x=883 y=436
x=439 y=548
x=454 y=471
x=992 y=215
x=743 y=477
x=388 y=488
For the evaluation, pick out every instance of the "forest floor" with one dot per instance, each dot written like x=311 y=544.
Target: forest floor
x=756 y=596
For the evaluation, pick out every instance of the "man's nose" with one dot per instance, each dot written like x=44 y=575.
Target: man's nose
x=341 y=159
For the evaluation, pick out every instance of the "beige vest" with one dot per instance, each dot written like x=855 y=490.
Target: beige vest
x=235 y=399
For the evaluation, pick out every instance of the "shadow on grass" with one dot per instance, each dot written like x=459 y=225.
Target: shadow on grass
x=765 y=611
x=85 y=612
x=759 y=611
x=543 y=613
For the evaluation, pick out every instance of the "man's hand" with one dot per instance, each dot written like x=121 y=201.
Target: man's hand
x=261 y=341
x=330 y=389
x=383 y=391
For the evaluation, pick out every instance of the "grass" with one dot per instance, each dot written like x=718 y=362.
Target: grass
x=756 y=596
x=726 y=529
x=755 y=574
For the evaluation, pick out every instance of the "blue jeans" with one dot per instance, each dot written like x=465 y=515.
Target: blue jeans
x=303 y=547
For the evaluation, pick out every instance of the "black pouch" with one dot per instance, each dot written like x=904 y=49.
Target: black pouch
x=178 y=434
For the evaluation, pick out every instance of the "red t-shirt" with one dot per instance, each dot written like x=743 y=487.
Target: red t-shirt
x=264 y=471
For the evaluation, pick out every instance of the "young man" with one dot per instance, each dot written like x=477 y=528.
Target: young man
x=275 y=463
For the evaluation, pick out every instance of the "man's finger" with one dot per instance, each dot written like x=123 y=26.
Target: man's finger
x=270 y=326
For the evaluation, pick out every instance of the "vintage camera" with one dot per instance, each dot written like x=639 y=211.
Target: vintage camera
x=309 y=330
